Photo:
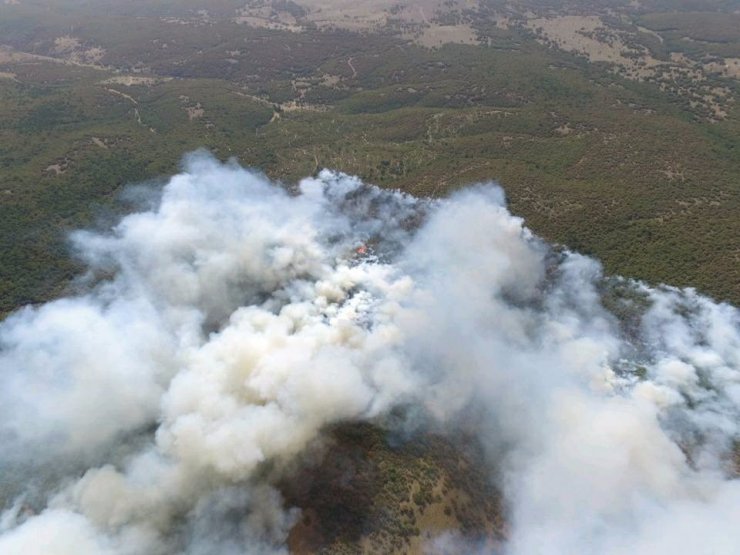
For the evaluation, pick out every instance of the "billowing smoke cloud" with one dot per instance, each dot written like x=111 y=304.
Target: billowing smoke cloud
x=225 y=327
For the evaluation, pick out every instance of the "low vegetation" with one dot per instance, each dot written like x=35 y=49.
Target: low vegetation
x=641 y=175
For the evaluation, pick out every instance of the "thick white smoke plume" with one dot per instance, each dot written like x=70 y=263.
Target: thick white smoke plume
x=223 y=329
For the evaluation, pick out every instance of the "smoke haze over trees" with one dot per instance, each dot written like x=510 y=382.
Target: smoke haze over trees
x=224 y=326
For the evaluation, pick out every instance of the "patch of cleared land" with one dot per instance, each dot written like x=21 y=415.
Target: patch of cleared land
x=72 y=48
x=9 y=55
x=437 y=35
x=134 y=80
x=729 y=67
x=416 y=21
x=263 y=14
x=590 y=37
